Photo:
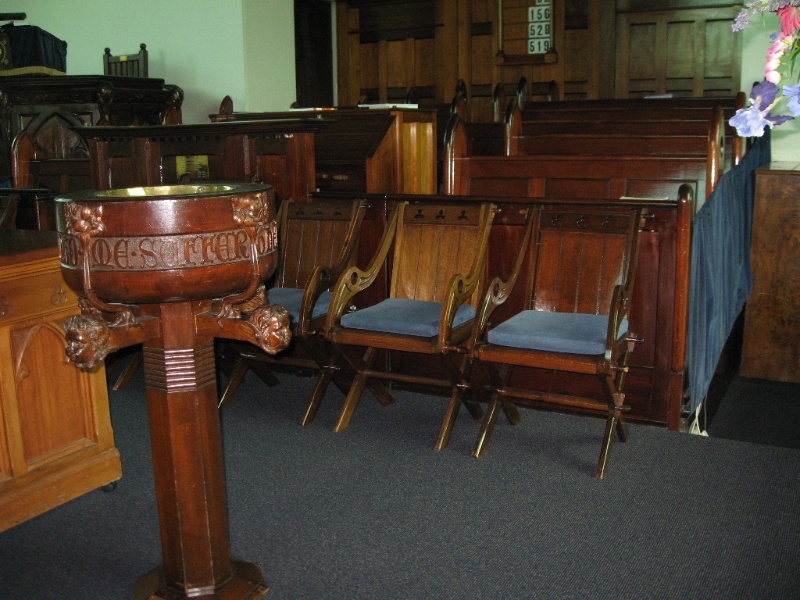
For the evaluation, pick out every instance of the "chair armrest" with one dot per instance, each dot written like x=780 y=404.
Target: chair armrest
x=354 y=280
x=620 y=305
x=620 y=300
x=324 y=277
x=329 y=274
x=498 y=291
x=320 y=280
x=463 y=286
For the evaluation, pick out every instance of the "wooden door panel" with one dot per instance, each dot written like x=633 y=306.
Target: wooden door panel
x=689 y=52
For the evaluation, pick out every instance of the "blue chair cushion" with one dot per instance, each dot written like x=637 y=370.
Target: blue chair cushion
x=405 y=316
x=571 y=333
x=290 y=298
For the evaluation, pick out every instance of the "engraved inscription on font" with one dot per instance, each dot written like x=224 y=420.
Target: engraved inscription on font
x=156 y=253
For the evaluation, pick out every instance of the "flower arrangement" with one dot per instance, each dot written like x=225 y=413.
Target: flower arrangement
x=781 y=57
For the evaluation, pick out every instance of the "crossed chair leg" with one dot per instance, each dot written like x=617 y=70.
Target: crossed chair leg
x=501 y=400
x=366 y=377
x=498 y=401
x=328 y=374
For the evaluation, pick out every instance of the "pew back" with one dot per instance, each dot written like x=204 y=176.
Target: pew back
x=647 y=112
x=600 y=177
x=703 y=146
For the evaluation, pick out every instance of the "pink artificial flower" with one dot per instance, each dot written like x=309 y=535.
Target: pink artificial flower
x=790 y=19
x=781 y=43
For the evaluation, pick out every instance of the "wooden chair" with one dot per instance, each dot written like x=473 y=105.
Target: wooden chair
x=583 y=262
x=126 y=65
x=436 y=270
x=316 y=244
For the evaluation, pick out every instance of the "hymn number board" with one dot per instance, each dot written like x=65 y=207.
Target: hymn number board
x=527 y=32
x=540 y=27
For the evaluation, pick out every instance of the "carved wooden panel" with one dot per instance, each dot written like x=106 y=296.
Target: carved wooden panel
x=59 y=103
x=680 y=52
x=34 y=347
x=56 y=441
x=602 y=49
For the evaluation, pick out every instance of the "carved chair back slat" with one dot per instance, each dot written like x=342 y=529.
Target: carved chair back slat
x=580 y=257
x=311 y=234
x=433 y=243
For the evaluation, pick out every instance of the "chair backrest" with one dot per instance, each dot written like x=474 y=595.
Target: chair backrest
x=126 y=65
x=580 y=256
x=315 y=234
x=434 y=242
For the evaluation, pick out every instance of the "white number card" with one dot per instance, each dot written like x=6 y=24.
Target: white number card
x=540 y=30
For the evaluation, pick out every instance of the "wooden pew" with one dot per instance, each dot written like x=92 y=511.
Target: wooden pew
x=364 y=149
x=501 y=135
x=578 y=175
x=483 y=138
x=646 y=113
x=701 y=143
x=525 y=92
x=279 y=152
x=701 y=138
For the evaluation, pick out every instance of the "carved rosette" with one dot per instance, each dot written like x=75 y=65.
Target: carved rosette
x=84 y=221
x=250 y=211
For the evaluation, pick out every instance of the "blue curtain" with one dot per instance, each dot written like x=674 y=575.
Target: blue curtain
x=720 y=280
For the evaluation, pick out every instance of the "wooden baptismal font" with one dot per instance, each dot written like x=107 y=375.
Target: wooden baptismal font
x=172 y=268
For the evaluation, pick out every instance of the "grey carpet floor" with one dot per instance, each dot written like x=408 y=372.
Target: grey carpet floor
x=374 y=513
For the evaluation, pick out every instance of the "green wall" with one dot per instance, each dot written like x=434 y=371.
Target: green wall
x=196 y=44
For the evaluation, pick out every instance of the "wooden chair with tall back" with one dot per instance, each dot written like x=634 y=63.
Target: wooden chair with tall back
x=126 y=65
x=577 y=288
x=316 y=244
x=436 y=270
